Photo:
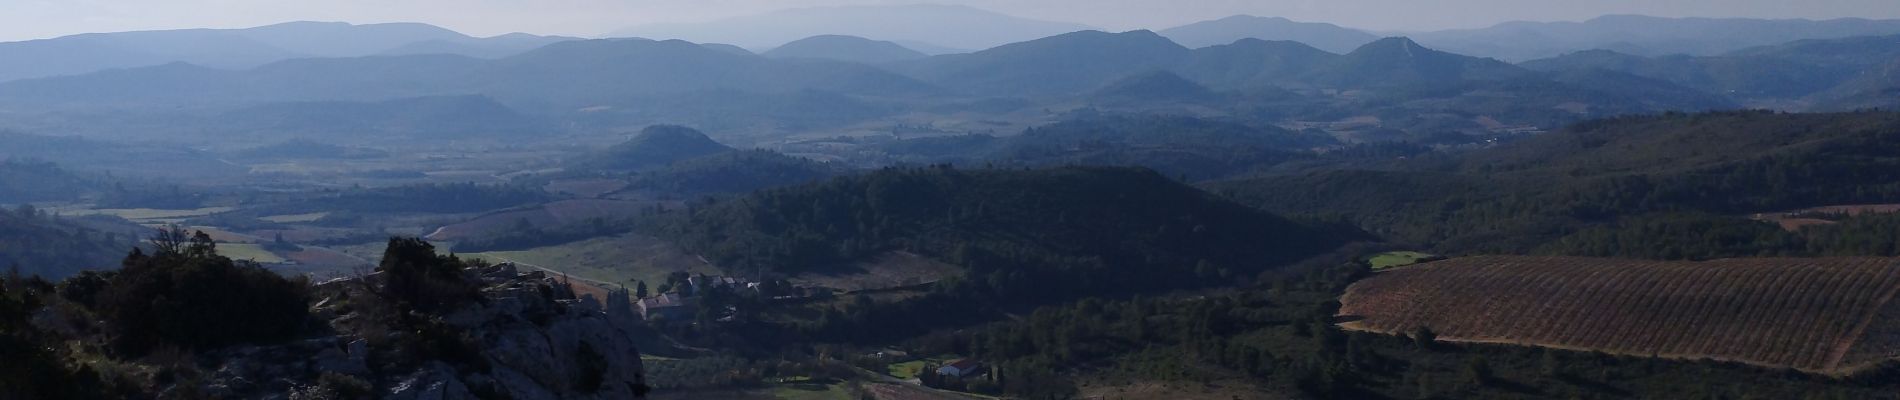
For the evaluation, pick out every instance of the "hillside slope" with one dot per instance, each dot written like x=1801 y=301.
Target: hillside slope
x=55 y=248
x=244 y=48
x=844 y=48
x=1227 y=30
x=952 y=26
x=1514 y=196
x=1061 y=64
x=1144 y=227
x=655 y=146
x=1806 y=74
x=1646 y=35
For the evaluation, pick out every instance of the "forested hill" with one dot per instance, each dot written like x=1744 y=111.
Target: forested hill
x=655 y=146
x=1517 y=196
x=1124 y=223
x=40 y=244
x=26 y=181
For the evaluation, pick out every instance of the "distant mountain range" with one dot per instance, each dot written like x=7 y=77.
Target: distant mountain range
x=1831 y=74
x=1323 y=36
x=562 y=76
x=940 y=28
x=1642 y=35
x=845 y=48
x=1065 y=63
x=894 y=33
x=616 y=83
x=421 y=82
x=1520 y=41
x=245 y=48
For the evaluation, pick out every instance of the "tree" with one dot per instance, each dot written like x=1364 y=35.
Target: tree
x=193 y=298
x=201 y=246
x=170 y=239
x=1425 y=338
x=640 y=290
x=419 y=278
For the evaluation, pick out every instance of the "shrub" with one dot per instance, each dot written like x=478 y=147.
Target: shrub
x=85 y=287
x=423 y=280
x=190 y=297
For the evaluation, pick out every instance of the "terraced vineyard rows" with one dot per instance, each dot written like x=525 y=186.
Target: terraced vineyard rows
x=1824 y=314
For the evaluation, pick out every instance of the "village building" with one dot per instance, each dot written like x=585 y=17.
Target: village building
x=961 y=368
x=670 y=306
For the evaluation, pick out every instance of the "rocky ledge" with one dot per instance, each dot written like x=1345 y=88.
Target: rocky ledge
x=526 y=337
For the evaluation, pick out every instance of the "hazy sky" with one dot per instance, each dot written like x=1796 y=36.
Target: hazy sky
x=30 y=19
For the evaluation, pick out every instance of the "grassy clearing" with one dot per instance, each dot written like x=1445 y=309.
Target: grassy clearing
x=911 y=369
x=1398 y=259
x=810 y=391
x=894 y=269
x=284 y=219
x=246 y=251
x=905 y=370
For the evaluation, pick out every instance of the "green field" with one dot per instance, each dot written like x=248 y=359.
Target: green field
x=905 y=370
x=245 y=251
x=910 y=369
x=282 y=219
x=1397 y=259
x=147 y=214
x=810 y=391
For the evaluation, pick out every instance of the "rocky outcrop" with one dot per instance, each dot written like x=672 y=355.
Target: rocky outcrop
x=526 y=338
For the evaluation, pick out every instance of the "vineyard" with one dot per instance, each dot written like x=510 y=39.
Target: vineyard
x=1823 y=315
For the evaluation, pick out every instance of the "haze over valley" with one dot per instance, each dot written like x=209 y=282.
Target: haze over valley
x=900 y=201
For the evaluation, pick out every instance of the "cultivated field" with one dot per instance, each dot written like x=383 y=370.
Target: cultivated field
x=1827 y=315
x=586 y=188
x=1794 y=220
x=1398 y=259
x=143 y=215
x=285 y=219
x=617 y=259
x=547 y=215
x=305 y=234
x=890 y=270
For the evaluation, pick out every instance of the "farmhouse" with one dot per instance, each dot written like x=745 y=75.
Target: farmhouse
x=669 y=306
x=961 y=368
